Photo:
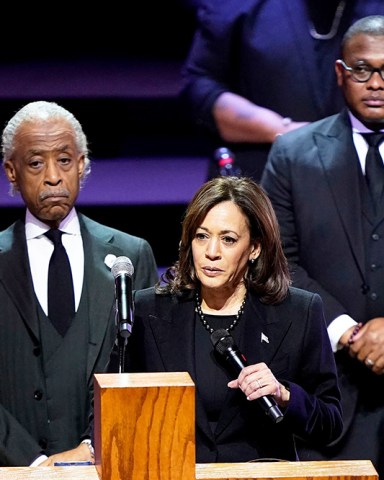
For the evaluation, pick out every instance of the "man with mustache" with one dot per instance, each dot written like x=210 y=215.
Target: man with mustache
x=326 y=182
x=46 y=374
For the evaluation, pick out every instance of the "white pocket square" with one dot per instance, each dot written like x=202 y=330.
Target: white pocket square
x=109 y=260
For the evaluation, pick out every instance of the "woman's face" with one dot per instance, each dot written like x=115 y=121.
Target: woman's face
x=222 y=248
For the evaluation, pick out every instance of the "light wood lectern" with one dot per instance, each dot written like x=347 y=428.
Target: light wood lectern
x=145 y=426
x=145 y=430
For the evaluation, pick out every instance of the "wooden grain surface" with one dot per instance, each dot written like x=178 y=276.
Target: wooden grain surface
x=336 y=470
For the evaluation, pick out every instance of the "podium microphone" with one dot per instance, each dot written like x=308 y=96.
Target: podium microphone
x=224 y=344
x=122 y=270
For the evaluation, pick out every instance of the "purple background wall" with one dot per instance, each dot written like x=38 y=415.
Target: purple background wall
x=119 y=73
x=142 y=181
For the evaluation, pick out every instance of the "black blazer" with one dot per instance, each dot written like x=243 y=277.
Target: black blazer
x=21 y=365
x=297 y=350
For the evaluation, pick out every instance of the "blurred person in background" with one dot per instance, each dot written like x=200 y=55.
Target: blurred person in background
x=260 y=68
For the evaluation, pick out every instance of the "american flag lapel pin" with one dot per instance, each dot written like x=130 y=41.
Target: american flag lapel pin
x=264 y=338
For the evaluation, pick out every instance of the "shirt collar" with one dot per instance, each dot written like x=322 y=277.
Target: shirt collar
x=357 y=126
x=35 y=227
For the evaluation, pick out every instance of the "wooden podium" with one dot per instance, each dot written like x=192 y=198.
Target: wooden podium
x=145 y=426
x=145 y=430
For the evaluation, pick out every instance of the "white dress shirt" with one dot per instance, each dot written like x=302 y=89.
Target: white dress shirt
x=40 y=249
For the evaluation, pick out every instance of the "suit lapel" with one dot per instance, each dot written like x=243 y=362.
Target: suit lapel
x=98 y=243
x=16 y=276
x=380 y=213
x=181 y=331
x=341 y=168
x=341 y=165
x=263 y=334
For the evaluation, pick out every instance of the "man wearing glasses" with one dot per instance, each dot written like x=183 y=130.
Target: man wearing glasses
x=326 y=183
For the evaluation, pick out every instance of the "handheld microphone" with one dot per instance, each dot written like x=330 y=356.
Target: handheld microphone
x=224 y=344
x=122 y=270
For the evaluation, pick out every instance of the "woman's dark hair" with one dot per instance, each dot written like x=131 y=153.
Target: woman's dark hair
x=268 y=276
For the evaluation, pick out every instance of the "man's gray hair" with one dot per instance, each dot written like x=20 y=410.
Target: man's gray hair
x=42 y=110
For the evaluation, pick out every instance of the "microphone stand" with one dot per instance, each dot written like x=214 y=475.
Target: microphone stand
x=124 y=311
x=121 y=345
x=124 y=328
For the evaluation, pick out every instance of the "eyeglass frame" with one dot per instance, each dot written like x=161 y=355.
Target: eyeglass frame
x=380 y=71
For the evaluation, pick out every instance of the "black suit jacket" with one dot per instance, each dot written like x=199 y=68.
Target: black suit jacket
x=314 y=180
x=291 y=338
x=21 y=365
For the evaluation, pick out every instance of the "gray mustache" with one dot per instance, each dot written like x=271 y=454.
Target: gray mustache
x=53 y=193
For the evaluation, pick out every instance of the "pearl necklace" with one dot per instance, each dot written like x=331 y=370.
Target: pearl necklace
x=206 y=324
x=335 y=24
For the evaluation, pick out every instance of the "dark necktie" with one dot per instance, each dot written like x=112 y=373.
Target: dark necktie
x=61 y=298
x=374 y=168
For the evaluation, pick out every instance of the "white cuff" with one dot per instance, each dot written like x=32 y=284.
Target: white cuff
x=38 y=461
x=88 y=442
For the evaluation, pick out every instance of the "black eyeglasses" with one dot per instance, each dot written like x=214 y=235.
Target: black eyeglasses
x=362 y=73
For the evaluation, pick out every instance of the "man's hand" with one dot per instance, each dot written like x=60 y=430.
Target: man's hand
x=368 y=345
x=81 y=453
